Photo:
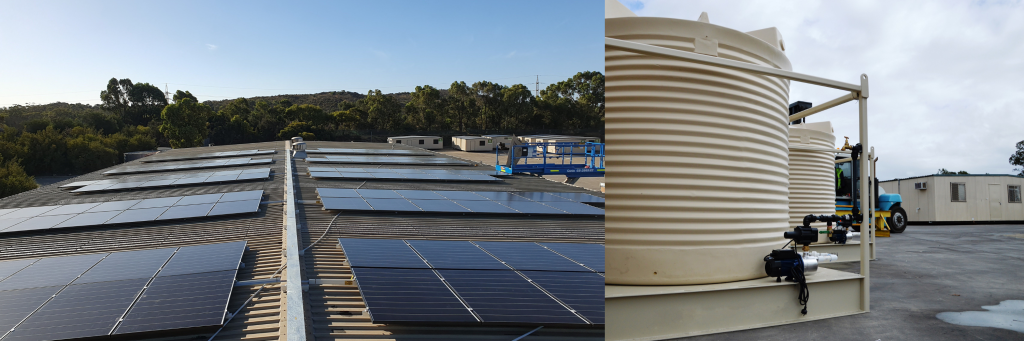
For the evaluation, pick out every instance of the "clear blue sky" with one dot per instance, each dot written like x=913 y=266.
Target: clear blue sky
x=68 y=50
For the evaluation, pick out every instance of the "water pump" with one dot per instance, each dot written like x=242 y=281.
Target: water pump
x=794 y=265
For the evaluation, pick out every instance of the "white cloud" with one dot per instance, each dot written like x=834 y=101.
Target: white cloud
x=211 y=47
x=380 y=54
x=946 y=85
x=510 y=54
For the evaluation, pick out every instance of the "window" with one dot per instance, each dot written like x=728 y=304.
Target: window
x=957 y=191
x=1014 y=193
x=436 y=141
x=421 y=141
x=483 y=143
x=398 y=141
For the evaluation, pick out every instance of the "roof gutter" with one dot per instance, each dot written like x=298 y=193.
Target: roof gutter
x=295 y=302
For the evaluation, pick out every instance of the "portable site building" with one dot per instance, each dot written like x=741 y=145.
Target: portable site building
x=425 y=142
x=473 y=143
x=576 y=139
x=959 y=198
x=502 y=140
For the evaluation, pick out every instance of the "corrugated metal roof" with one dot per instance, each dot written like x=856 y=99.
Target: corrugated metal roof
x=930 y=175
x=335 y=310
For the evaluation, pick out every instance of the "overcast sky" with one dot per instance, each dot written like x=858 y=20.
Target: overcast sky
x=68 y=50
x=946 y=77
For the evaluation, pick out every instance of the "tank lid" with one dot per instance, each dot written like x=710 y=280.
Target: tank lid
x=825 y=127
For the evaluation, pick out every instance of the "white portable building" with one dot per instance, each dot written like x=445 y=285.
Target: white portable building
x=425 y=142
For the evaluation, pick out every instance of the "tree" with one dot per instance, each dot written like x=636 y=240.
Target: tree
x=230 y=124
x=461 y=106
x=1017 y=159
x=180 y=95
x=13 y=179
x=576 y=103
x=424 y=111
x=296 y=129
x=383 y=111
x=185 y=123
x=102 y=122
x=516 y=107
x=489 y=101
x=135 y=104
x=943 y=171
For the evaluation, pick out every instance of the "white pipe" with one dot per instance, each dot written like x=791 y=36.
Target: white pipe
x=865 y=253
x=824 y=106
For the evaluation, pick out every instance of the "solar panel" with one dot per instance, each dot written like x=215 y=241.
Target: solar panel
x=130 y=211
x=50 y=272
x=408 y=295
x=127 y=265
x=389 y=160
x=354 y=151
x=209 y=155
x=450 y=202
x=193 y=165
x=505 y=297
x=80 y=311
x=530 y=256
x=449 y=254
x=96 y=290
x=380 y=253
x=204 y=258
x=183 y=301
x=590 y=255
x=581 y=291
x=10 y=267
x=19 y=303
x=400 y=174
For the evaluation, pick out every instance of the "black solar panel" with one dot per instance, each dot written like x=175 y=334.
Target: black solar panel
x=389 y=160
x=182 y=301
x=129 y=211
x=408 y=295
x=56 y=271
x=80 y=311
x=451 y=202
x=17 y=304
x=208 y=155
x=96 y=290
x=405 y=174
x=505 y=297
x=127 y=265
x=380 y=253
x=590 y=255
x=530 y=256
x=204 y=258
x=152 y=181
x=355 y=151
x=449 y=254
x=581 y=291
x=187 y=166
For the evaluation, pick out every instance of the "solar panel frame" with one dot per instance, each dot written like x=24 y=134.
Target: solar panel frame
x=530 y=256
x=450 y=254
x=409 y=295
x=380 y=253
x=191 y=296
x=581 y=291
x=61 y=318
x=500 y=296
x=590 y=255
x=208 y=156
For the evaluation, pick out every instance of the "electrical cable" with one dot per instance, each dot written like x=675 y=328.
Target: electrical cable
x=805 y=294
x=322 y=235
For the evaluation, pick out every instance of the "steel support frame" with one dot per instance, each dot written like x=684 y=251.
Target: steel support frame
x=858 y=92
x=295 y=305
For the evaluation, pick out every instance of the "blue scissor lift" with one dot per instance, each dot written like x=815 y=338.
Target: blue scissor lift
x=572 y=159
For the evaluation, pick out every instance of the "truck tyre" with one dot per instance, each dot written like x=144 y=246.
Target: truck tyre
x=898 y=219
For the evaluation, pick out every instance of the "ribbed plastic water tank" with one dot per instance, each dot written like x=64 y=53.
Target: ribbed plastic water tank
x=812 y=184
x=697 y=156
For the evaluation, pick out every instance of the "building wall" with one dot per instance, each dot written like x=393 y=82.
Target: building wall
x=987 y=198
x=429 y=142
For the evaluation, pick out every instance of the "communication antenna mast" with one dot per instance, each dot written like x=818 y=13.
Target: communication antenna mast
x=167 y=93
x=537 y=88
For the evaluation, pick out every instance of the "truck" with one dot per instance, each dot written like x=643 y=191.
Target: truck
x=889 y=217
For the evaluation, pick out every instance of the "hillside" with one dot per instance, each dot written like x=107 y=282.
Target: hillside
x=326 y=100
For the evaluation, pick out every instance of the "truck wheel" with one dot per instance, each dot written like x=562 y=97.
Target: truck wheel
x=898 y=221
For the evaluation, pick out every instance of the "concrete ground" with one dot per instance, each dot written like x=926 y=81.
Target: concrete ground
x=918 y=274
x=592 y=183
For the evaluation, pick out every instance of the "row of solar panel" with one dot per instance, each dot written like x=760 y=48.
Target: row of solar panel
x=205 y=164
x=359 y=151
x=388 y=160
x=490 y=282
x=448 y=202
x=458 y=195
x=209 y=155
x=117 y=293
x=464 y=255
x=164 y=181
x=128 y=211
x=407 y=171
x=399 y=176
